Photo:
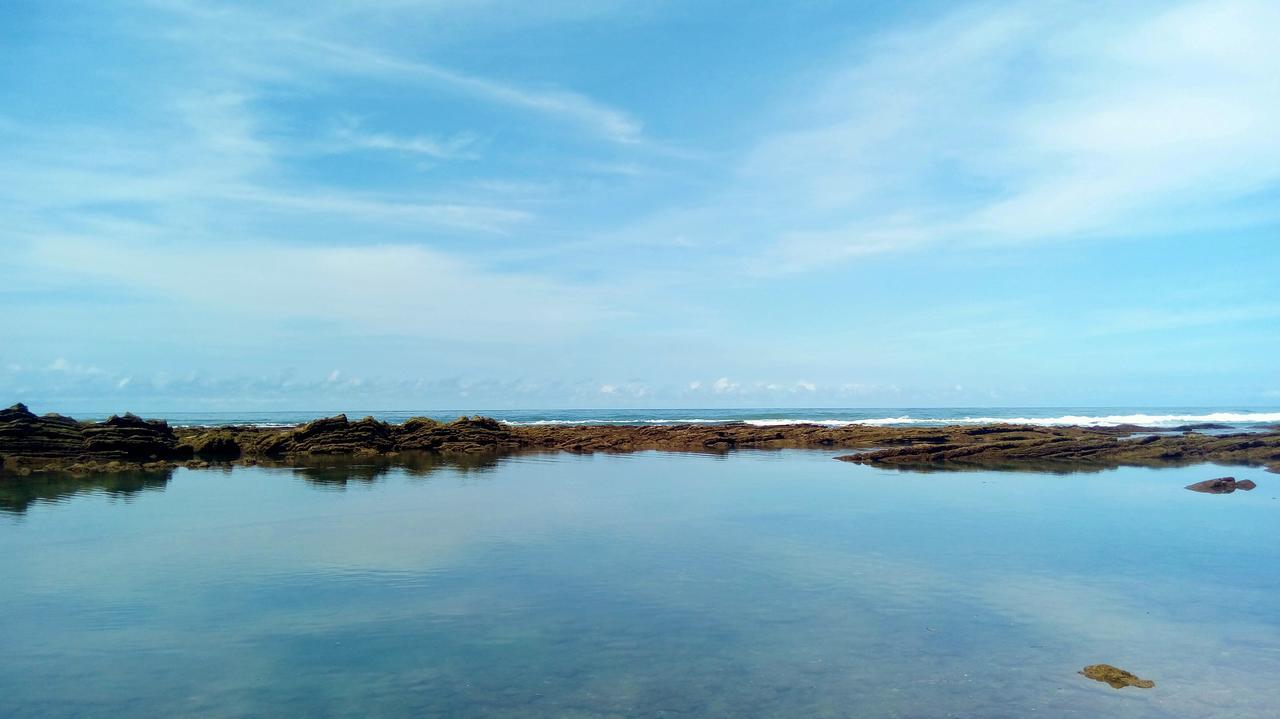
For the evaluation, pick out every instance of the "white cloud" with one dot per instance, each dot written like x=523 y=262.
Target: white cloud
x=349 y=136
x=273 y=47
x=205 y=168
x=394 y=289
x=380 y=209
x=62 y=365
x=724 y=386
x=1018 y=123
x=632 y=390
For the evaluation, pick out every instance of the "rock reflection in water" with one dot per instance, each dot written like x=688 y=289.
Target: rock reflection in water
x=337 y=472
x=17 y=494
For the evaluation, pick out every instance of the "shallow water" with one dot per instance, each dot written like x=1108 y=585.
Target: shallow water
x=757 y=584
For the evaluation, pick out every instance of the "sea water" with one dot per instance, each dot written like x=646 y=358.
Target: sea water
x=753 y=584
x=1228 y=418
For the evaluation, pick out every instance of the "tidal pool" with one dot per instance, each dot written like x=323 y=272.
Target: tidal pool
x=754 y=584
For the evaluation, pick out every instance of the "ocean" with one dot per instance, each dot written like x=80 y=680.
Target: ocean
x=1165 y=417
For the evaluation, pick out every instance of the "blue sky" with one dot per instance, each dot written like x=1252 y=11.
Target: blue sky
x=490 y=204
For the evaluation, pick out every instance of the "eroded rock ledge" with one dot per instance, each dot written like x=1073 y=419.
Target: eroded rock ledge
x=30 y=443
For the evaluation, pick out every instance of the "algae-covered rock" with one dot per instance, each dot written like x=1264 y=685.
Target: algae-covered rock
x=215 y=446
x=464 y=435
x=1115 y=676
x=332 y=435
x=479 y=422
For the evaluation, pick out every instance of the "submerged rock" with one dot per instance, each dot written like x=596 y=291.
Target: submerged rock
x=1222 y=485
x=1115 y=676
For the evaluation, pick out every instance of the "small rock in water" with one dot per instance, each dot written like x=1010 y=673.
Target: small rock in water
x=1222 y=485
x=1116 y=677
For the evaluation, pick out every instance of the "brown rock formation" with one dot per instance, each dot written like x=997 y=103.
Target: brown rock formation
x=130 y=438
x=28 y=442
x=24 y=434
x=1078 y=446
x=331 y=435
x=1222 y=485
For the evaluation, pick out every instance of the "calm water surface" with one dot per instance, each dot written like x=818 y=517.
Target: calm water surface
x=651 y=585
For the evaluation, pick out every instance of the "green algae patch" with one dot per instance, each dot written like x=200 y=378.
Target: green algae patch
x=1115 y=676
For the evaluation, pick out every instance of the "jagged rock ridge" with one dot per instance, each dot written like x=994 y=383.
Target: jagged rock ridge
x=28 y=442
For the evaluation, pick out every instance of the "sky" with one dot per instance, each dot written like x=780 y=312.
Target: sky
x=395 y=205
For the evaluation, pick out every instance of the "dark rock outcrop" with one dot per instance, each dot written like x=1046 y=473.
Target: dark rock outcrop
x=466 y=435
x=332 y=435
x=28 y=441
x=24 y=434
x=132 y=439
x=1222 y=485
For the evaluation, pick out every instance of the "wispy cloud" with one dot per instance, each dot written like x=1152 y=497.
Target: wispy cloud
x=583 y=111
x=270 y=47
x=395 y=289
x=211 y=166
x=1013 y=124
x=349 y=136
x=997 y=196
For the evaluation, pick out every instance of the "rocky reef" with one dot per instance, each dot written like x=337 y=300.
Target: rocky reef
x=1018 y=447
x=30 y=443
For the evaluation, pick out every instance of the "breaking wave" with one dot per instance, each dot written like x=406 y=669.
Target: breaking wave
x=1115 y=420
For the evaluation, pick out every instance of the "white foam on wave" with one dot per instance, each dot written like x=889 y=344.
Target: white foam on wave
x=823 y=422
x=258 y=425
x=538 y=422
x=1116 y=420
